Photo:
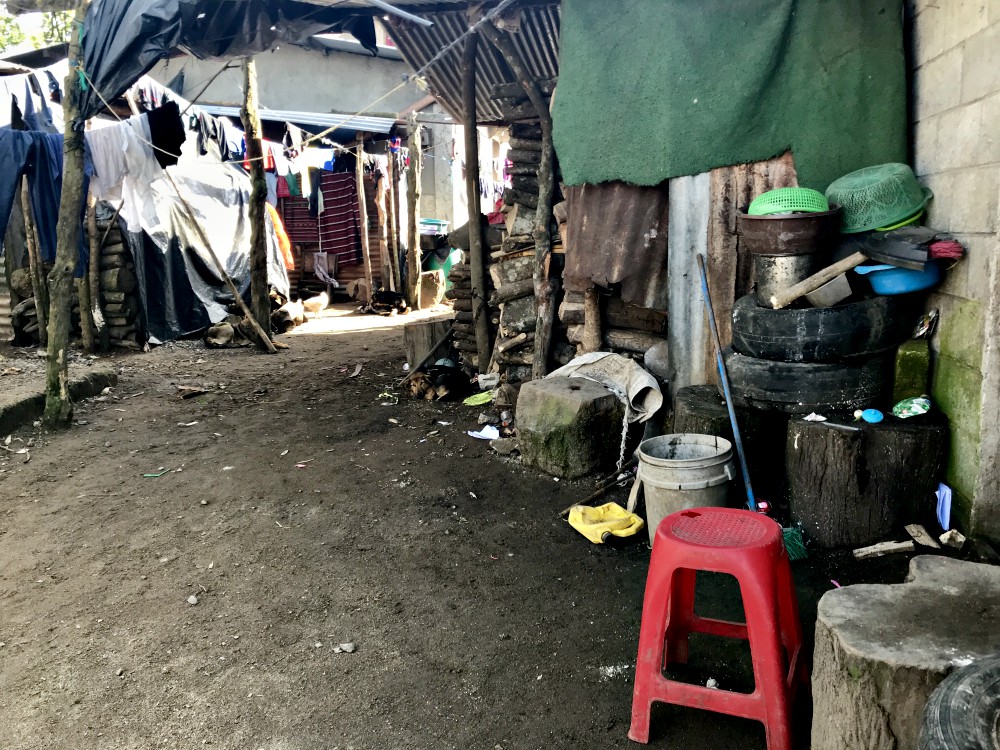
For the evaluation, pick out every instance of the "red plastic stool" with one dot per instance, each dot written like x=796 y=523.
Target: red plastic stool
x=749 y=547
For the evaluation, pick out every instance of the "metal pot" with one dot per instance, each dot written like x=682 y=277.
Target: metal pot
x=775 y=273
x=790 y=234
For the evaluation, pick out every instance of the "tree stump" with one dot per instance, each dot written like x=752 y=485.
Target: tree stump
x=699 y=409
x=852 y=487
x=418 y=338
x=882 y=649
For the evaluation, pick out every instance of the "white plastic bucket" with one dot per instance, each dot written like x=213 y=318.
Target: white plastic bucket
x=677 y=472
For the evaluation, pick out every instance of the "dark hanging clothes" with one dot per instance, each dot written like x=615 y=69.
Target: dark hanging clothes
x=16 y=116
x=39 y=157
x=166 y=131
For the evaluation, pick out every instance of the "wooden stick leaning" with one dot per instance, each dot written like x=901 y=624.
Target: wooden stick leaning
x=427 y=357
x=818 y=279
x=264 y=338
x=603 y=489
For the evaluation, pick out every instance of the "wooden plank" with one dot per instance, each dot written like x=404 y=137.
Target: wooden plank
x=883 y=548
x=419 y=338
x=920 y=535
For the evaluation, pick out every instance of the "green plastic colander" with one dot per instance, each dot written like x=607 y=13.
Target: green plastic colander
x=878 y=196
x=788 y=200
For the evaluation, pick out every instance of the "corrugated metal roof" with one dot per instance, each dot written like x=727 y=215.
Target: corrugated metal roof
x=361 y=122
x=537 y=41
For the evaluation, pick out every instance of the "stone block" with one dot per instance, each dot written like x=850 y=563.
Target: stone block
x=913 y=364
x=938 y=84
x=988 y=148
x=518 y=316
x=512 y=269
x=981 y=64
x=568 y=427
x=925 y=147
x=882 y=649
x=962 y=473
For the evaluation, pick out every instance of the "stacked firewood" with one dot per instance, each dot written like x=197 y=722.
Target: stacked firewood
x=119 y=301
x=461 y=296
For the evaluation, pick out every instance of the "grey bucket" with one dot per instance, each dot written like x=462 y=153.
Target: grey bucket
x=677 y=472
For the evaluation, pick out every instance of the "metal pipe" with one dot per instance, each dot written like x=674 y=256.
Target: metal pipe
x=401 y=13
x=724 y=376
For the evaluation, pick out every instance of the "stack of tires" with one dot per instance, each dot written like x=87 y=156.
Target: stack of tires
x=806 y=359
x=799 y=361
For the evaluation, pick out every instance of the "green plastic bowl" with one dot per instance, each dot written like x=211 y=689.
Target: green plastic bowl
x=788 y=200
x=878 y=196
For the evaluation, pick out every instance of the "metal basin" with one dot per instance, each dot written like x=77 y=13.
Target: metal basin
x=790 y=234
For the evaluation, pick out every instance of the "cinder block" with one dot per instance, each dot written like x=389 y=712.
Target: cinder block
x=957 y=391
x=958 y=137
x=988 y=146
x=981 y=64
x=926 y=157
x=940 y=210
x=940 y=26
x=913 y=363
x=938 y=84
x=973 y=204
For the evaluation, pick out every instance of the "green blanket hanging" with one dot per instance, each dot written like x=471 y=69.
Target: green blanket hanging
x=654 y=89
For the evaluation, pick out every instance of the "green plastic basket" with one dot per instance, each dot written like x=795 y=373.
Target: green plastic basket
x=878 y=196
x=788 y=200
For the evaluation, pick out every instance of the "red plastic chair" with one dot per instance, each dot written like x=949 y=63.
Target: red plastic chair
x=748 y=546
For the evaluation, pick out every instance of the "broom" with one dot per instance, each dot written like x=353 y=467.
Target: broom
x=794 y=543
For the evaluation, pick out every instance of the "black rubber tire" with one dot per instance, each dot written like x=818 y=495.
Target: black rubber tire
x=963 y=713
x=823 y=334
x=800 y=388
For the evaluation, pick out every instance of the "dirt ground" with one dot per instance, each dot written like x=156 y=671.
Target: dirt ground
x=303 y=513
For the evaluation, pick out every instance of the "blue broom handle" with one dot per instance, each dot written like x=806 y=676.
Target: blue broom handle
x=724 y=376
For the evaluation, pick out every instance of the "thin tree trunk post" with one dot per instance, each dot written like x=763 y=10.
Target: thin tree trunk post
x=58 y=406
x=260 y=302
x=359 y=172
x=545 y=288
x=393 y=205
x=82 y=284
x=593 y=336
x=101 y=333
x=413 y=261
x=36 y=269
x=477 y=262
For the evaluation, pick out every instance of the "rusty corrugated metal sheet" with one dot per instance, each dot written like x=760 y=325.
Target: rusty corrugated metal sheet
x=617 y=234
x=537 y=40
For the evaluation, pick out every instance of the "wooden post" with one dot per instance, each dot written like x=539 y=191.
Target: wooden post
x=545 y=288
x=260 y=302
x=58 y=406
x=82 y=284
x=101 y=332
x=393 y=210
x=477 y=261
x=593 y=338
x=359 y=171
x=413 y=254
x=36 y=269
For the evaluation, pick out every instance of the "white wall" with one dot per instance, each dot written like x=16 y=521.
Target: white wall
x=302 y=79
x=957 y=155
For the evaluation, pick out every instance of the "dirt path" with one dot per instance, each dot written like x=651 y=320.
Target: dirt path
x=301 y=517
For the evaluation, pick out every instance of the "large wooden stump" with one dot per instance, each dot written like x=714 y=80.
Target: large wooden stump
x=882 y=649
x=852 y=487
x=418 y=338
x=699 y=409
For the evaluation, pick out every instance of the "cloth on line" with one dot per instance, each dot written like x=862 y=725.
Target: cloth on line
x=322 y=272
x=166 y=131
x=620 y=375
x=284 y=244
x=271 y=179
x=340 y=221
x=728 y=83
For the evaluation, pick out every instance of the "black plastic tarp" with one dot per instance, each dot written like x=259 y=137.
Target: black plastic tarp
x=180 y=289
x=124 y=39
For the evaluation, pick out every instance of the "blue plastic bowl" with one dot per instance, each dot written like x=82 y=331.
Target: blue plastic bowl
x=889 y=280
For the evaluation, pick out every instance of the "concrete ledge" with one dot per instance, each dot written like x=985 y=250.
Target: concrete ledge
x=24 y=404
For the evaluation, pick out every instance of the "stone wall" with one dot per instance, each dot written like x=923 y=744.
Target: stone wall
x=956 y=112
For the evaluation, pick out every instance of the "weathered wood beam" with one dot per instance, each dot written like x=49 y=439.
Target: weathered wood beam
x=260 y=302
x=413 y=210
x=477 y=259
x=359 y=172
x=516 y=90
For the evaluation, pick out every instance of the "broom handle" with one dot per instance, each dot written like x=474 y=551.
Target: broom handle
x=724 y=376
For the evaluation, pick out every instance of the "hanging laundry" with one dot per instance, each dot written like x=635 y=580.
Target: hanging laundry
x=340 y=222
x=166 y=130
x=284 y=243
x=272 y=188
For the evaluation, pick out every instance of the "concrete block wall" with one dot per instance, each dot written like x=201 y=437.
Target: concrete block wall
x=956 y=130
